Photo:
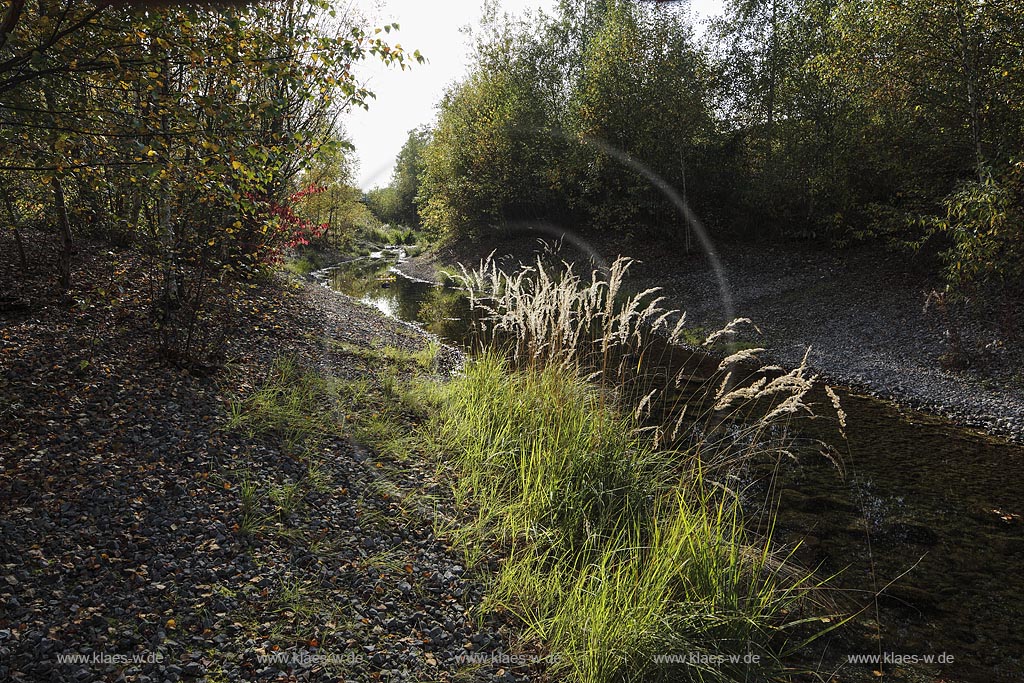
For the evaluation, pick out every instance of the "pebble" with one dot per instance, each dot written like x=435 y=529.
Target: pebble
x=129 y=546
x=865 y=326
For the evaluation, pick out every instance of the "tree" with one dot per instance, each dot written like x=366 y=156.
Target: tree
x=337 y=204
x=637 y=111
x=984 y=224
x=406 y=178
x=567 y=117
x=183 y=125
x=493 y=152
x=396 y=203
x=940 y=79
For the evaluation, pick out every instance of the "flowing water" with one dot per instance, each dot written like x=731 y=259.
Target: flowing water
x=929 y=512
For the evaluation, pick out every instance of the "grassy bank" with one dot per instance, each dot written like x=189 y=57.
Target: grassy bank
x=621 y=553
x=623 y=560
x=305 y=261
x=619 y=560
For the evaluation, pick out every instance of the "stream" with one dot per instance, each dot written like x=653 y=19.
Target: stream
x=935 y=510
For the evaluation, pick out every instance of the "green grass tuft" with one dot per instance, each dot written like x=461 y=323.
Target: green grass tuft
x=297 y=405
x=616 y=552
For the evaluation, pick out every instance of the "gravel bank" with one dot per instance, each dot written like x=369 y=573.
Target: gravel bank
x=861 y=312
x=142 y=541
x=423 y=267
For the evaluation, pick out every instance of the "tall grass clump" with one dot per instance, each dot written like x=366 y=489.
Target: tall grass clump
x=627 y=551
x=547 y=315
x=554 y=316
x=539 y=452
x=620 y=556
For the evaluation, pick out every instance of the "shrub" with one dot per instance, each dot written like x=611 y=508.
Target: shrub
x=985 y=222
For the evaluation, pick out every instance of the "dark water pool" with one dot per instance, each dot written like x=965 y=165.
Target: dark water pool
x=934 y=510
x=374 y=281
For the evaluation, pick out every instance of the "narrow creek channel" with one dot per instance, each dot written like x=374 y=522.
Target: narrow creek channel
x=933 y=509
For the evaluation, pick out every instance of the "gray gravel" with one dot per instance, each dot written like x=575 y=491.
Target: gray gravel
x=122 y=513
x=864 y=319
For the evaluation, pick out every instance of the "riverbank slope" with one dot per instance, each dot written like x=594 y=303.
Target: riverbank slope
x=162 y=523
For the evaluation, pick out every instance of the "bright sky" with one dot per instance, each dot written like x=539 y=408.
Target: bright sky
x=407 y=99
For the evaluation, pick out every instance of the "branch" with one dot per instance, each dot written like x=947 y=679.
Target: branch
x=74 y=167
x=57 y=36
x=11 y=20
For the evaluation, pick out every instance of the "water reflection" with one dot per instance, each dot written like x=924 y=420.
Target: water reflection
x=374 y=281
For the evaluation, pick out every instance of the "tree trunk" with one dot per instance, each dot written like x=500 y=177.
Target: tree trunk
x=135 y=209
x=772 y=77
x=12 y=213
x=66 y=242
x=168 y=238
x=10 y=20
x=970 y=75
x=689 y=225
x=63 y=223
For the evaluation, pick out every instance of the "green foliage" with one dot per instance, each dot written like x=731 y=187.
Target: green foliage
x=587 y=115
x=932 y=97
x=794 y=118
x=522 y=436
x=985 y=223
x=408 y=171
x=392 y=356
x=488 y=159
x=499 y=153
x=386 y=235
x=383 y=203
x=640 y=86
x=339 y=205
x=305 y=261
x=396 y=203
